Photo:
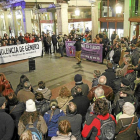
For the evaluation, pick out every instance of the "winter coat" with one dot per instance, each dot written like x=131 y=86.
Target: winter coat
x=54 y=40
x=135 y=57
x=42 y=106
x=108 y=92
x=63 y=137
x=41 y=126
x=75 y=122
x=91 y=129
x=110 y=76
x=46 y=93
x=82 y=103
x=48 y=40
x=24 y=95
x=113 y=36
x=124 y=121
x=6 y=126
x=116 y=56
x=77 y=45
x=53 y=123
x=85 y=88
x=63 y=102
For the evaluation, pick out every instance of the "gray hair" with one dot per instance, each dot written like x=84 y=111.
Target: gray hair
x=27 y=84
x=102 y=80
x=99 y=92
x=128 y=108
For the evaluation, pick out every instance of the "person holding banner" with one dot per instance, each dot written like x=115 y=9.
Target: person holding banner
x=78 y=50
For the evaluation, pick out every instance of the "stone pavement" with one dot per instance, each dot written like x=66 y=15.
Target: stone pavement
x=53 y=70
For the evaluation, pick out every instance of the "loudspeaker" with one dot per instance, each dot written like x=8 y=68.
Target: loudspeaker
x=31 y=64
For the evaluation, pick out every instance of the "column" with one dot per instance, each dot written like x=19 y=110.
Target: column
x=126 y=25
x=6 y=21
x=94 y=18
x=62 y=18
x=27 y=21
x=15 y=22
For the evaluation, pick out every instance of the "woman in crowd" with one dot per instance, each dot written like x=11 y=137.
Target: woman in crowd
x=64 y=98
x=127 y=123
x=64 y=132
x=98 y=40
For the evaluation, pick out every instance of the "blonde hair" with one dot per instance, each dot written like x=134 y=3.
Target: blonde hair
x=64 y=92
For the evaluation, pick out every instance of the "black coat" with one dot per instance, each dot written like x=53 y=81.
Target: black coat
x=135 y=57
x=78 y=45
x=113 y=36
x=82 y=103
x=54 y=40
x=42 y=106
x=110 y=76
x=6 y=126
x=116 y=56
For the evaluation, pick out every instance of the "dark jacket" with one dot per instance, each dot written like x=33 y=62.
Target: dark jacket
x=78 y=45
x=116 y=56
x=75 y=122
x=110 y=76
x=108 y=92
x=91 y=129
x=95 y=82
x=135 y=57
x=82 y=103
x=6 y=126
x=134 y=41
x=85 y=88
x=123 y=123
x=42 y=106
x=113 y=36
x=54 y=40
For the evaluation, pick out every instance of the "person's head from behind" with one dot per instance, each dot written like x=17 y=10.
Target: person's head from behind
x=27 y=85
x=39 y=96
x=109 y=65
x=119 y=72
x=23 y=79
x=2 y=78
x=128 y=108
x=96 y=73
x=64 y=92
x=11 y=98
x=26 y=135
x=53 y=104
x=41 y=84
x=100 y=107
x=64 y=127
x=2 y=102
x=71 y=108
x=99 y=92
x=132 y=46
x=102 y=80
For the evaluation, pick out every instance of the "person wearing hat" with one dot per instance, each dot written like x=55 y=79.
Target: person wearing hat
x=79 y=83
x=6 y=122
x=78 y=50
x=96 y=75
x=31 y=116
x=51 y=118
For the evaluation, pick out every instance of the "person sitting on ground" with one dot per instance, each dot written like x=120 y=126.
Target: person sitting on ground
x=42 y=105
x=23 y=79
x=64 y=98
x=74 y=119
x=31 y=116
x=108 y=92
x=81 y=102
x=79 y=83
x=127 y=123
x=93 y=127
x=25 y=93
x=44 y=90
x=64 y=131
x=51 y=118
x=109 y=74
x=96 y=75
x=6 y=122
x=15 y=109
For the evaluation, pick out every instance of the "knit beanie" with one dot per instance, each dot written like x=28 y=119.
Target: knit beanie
x=78 y=78
x=53 y=103
x=2 y=100
x=30 y=106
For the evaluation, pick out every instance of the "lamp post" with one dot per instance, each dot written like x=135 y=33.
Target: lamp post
x=118 y=8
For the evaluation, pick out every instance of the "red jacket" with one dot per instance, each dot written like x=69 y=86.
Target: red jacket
x=27 y=39
x=93 y=125
x=31 y=41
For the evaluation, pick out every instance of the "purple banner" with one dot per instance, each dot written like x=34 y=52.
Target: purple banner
x=90 y=51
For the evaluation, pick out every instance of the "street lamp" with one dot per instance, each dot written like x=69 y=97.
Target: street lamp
x=118 y=8
x=77 y=11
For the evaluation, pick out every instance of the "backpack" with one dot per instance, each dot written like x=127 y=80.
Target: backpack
x=107 y=129
x=36 y=135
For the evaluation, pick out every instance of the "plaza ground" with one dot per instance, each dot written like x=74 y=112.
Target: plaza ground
x=53 y=70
